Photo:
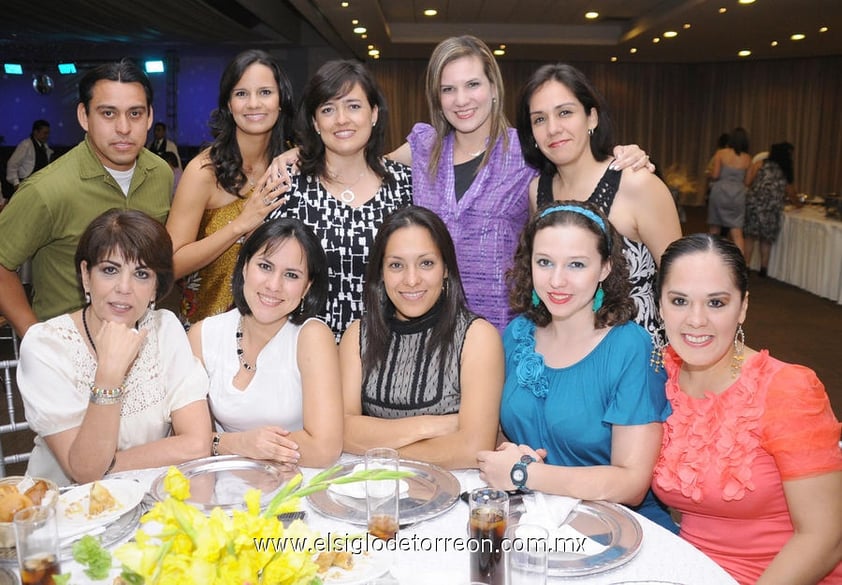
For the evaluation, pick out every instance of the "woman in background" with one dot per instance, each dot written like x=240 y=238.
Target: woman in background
x=114 y=386
x=727 y=204
x=219 y=200
x=273 y=366
x=421 y=373
x=750 y=453
x=582 y=406
x=566 y=133
x=770 y=184
x=345 y=188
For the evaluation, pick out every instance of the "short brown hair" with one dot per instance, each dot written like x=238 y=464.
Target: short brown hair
x=136 y=236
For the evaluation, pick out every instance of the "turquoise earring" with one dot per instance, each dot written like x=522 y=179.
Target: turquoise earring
x=598 y=298
x=536 y=300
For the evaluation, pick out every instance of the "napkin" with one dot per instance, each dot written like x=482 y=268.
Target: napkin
x=357 y=489
x=551 y=512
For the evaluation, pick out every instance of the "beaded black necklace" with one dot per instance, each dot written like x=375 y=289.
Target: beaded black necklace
x=85 y=325
x=239 y=337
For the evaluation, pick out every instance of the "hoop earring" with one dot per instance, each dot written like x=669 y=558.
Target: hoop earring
x=536 y=300
x=739 y=346
x=598 y=297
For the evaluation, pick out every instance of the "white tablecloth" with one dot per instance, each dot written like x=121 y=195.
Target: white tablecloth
x=663 y=556
x=808 y=252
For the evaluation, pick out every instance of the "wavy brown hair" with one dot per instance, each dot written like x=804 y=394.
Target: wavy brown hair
x=617 y=306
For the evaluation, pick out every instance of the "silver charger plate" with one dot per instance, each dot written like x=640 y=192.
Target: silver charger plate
x=223 y=481
x=432 y=491
x=606 y=523
x=115 y=531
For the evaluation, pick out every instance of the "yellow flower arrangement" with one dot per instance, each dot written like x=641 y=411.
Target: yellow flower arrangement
x=188 y=547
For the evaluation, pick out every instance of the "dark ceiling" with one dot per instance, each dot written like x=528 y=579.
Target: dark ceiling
x=535 y=30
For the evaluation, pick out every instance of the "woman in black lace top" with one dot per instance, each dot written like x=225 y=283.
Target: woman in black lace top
x=420 y=372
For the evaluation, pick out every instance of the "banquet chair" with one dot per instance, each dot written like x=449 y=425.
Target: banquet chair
x=13 y=425
x=8 y=338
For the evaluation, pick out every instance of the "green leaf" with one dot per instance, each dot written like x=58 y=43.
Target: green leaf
x=88 y=552
x=62 y=579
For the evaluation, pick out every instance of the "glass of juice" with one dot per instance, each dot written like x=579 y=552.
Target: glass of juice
x=487 y=525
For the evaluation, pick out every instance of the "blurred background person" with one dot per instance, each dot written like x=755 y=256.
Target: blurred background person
x=421 y=373
x=161 y=144
x=770 y=183
x=31 y=154
x=220 y=199
x=176 y=170
x=727 y=203
x=114 y=386
x=345 y=188
x=273 y=366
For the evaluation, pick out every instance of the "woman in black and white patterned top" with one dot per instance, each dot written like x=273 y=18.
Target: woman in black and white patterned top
x=420 y=372
x=345 y=188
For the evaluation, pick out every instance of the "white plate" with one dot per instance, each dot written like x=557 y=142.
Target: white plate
x=72 y=509
x=367 y=566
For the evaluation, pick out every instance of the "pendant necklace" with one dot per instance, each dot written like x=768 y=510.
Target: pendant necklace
x=88 y=331
x=239 y=337
x=473 y=154
x=346 y=195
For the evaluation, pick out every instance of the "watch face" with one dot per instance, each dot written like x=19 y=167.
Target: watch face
x=518 y=475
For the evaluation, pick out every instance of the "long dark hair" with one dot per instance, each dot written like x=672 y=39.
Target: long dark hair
x=225 y=156
x=270 y=235
x=602 y=139
x=738 y=140
x=781 y=154
x=617 y=306
x=731 y=256
x=379 y=309
x=336 y=79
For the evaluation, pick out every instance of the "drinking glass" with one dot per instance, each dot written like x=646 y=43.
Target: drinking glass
x=527 y=554
x=382 y=497
x=36 y=539
x=489 y=515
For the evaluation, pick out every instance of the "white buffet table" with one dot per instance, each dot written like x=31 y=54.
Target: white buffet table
x=663 y=556
x=808 y=252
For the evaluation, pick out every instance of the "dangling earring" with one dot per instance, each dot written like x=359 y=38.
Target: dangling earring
x=444 y=288
x=535 y=143
x=739 y=347
x=536 y=300
x=152 y=305
x=598 y=297
x=656 y=358
x=590 y=131
x=87 y=298
x=301 y=305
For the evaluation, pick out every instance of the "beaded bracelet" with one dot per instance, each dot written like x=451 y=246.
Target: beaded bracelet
x=106 y=396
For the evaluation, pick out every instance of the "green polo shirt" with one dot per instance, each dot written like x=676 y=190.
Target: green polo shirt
x=51 y=209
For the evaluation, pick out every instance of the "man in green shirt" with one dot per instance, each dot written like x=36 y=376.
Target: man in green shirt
x=109 y=168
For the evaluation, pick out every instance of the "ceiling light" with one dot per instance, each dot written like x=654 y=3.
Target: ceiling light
x=376 y=57
x=431 y=12
x=374 y=52
x=798 y=37
x=344 y=4
x=499 y=52
x=656 y=40
x=670 y=34
x=744 y=53
x=823 y=29
x=686 y=25
x=360 y=30
x=67 y=68
x=613 y=59
x=723 y=10
x=154 y=66
x=12 y=69
x=774 y=43
x=502 y=46
x=363 y=36
x=355 y=22
x=591 y=15
x=633 y=50
x=746 y=2
x=370 y=47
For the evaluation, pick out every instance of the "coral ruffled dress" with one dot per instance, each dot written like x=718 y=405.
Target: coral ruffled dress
x=725 y=456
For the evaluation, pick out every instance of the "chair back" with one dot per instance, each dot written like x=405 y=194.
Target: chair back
x=8 y=337
x=15 y=422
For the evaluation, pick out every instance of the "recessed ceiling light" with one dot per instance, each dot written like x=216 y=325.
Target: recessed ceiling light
x=355 y=21
x=670 y=34
x=686 y=25
x=723 y=10
x=774 y=43
x=656 y=40
x=823 y=29
x=370 y=47
x=633 y=50
x=744 y=53
x=363 y=36
x=360 y=30
x=499 y=52
x=502 y=46
x=431 y=12
x=798 y=37
x=591 y=15
x=374 y=52
x=344 y=4
x=746 y=1
x=613 y=59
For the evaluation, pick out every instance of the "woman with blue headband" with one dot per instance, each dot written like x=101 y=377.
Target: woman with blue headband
x=582 y=405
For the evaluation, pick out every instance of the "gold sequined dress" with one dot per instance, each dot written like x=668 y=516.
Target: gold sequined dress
x=207 y=291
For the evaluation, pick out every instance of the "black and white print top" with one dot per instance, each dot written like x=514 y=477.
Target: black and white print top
x=346 y=234
x=640 y=261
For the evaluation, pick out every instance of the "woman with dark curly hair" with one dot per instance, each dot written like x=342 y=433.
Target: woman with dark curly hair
x=582 y=404
x=219 y=199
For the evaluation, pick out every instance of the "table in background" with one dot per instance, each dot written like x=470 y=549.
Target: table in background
x=808 y=252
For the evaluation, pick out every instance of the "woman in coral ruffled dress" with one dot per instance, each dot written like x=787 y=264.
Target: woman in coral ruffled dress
x=750 y=454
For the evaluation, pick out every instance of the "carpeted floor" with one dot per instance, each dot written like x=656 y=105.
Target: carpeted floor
x=794 y=325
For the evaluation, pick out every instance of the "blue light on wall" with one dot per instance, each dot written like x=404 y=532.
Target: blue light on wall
x=12 y=69
x=154 y=66
x=67 y=68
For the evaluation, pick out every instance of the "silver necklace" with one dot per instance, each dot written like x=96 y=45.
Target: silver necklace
x=239 y=336
x=346 y=195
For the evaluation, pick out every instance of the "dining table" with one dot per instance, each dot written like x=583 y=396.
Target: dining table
x=808 y=252
x=662 y=557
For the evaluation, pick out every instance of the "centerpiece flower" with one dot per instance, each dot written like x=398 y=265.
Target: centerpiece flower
x=188 y=547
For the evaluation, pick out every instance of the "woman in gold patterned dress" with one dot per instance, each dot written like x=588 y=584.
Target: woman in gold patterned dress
x=221 y=198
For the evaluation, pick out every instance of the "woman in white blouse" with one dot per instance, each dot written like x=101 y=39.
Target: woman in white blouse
x=114 y=386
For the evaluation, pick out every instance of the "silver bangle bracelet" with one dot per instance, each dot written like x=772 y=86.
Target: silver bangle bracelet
x=106 y=396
